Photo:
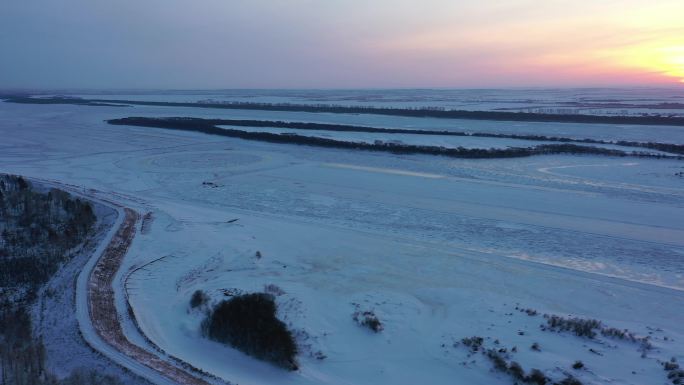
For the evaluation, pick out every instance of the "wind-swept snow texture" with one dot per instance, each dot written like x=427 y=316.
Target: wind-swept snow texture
x=438 y=249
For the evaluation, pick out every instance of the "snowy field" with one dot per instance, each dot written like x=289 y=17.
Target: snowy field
x=596 y=101
x=440 y=249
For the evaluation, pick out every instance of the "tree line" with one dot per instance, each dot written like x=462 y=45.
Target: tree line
x=38 y=231
x=209 y=126
x=666 y=147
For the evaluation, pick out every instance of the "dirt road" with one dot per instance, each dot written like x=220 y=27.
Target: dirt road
x=102 y=308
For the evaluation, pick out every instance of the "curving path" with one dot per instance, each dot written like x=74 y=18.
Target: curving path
x=102 y=308
x=96 y=311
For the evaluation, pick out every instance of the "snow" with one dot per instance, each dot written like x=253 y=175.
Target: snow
x=440 y=249
x=599 y=101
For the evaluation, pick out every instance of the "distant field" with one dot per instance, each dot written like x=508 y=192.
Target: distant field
x=422 y=112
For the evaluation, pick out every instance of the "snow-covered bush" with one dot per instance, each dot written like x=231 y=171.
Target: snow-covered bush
x=579 y=326
x=498 y=361
x=368 y=319
x=515 y=370
x=537 y=377
x=675 y=374
x=198 y=299
x=473 y=343
x=248 y=323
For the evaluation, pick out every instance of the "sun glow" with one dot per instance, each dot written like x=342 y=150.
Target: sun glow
x=664 y=60
x=671 y=62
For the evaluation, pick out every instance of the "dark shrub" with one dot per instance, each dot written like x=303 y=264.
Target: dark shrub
x=530 y=312
x=536 y=377
x=199 y=298
x=578 y=365
x=369 y=320
x=498 y=361
x=579 y=326
x=248 y=323
x=516 y=371
x=473 y=343
x=676 y=376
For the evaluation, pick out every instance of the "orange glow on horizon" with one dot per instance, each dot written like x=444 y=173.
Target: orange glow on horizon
x=642 y=44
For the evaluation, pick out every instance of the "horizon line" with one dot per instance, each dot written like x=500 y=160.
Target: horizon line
x=676 y=86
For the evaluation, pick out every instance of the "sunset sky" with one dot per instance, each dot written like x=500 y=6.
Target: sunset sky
x=340 y=43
